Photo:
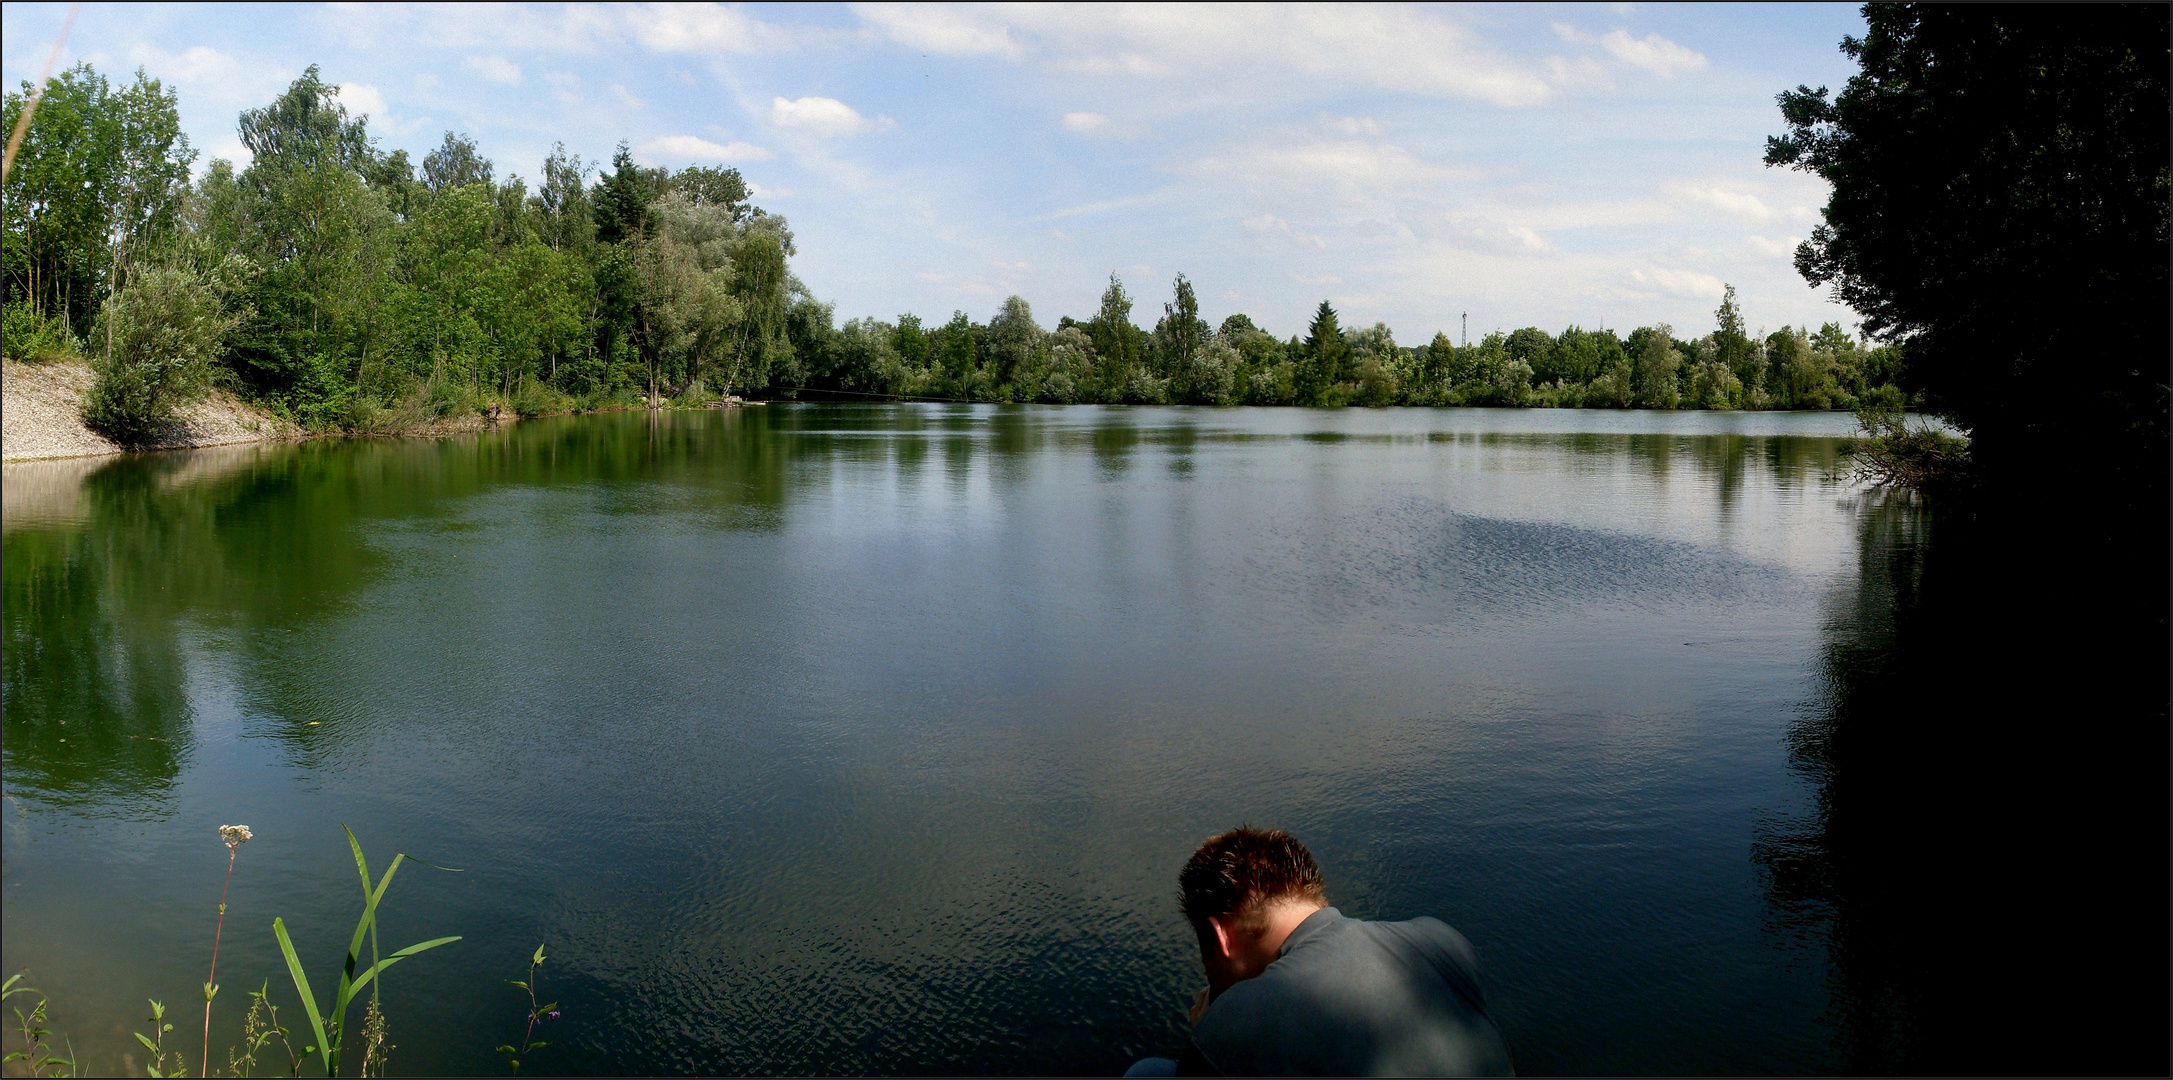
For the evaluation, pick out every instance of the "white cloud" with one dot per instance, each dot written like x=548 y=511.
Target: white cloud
x=576 y=29
x=364 y=100
x=496 y=69
x=1105 y=205
x=1393 y=48
x=945 y=30
x=1685 y=283
x=1478 y=232
x=1582 y=71
x=696 y=148
x=1086 y=123
x=203 y=73
x=760 y=192
x=705 y=28
x=1785 y=246
x=823 y=116
x=1653 y=53
x=1269 y=223
x=1357 y=125
x=1738 y=203
x=228 y=147
x=1349 y=162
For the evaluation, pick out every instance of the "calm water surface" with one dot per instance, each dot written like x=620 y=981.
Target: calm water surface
x=870 y=739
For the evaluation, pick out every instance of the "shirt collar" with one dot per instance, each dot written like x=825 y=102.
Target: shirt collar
x=1313 y=924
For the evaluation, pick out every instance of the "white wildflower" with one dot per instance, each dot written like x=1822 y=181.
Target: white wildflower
x=234 y=835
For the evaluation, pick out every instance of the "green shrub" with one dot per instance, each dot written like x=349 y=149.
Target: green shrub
x=1894 y=453
x=164 y=329
x=536 y=398
x=26 y=338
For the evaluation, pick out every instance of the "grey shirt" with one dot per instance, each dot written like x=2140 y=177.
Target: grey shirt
x=1346 y=997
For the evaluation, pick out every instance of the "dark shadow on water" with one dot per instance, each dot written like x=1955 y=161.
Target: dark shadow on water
x=1988 y=853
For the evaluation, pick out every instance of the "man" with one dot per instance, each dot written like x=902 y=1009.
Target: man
x=1295 y=988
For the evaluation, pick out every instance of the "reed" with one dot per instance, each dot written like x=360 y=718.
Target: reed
x=329 y=1025
x=261 y=1026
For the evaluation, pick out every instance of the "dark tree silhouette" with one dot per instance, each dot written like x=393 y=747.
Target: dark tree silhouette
x=2000 y=202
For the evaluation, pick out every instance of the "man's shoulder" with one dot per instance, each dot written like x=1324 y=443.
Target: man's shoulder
x=1350 y=995
x=1426 y=934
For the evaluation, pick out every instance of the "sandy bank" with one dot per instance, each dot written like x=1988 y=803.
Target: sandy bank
x=41 y=416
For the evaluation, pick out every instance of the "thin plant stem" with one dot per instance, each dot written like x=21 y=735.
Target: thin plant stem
x=211 y=980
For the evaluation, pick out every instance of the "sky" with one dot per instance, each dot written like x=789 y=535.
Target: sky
x=1523 y=165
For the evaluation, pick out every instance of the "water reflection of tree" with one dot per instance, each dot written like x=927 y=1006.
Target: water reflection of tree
x=100 y=606
x=1987 y=853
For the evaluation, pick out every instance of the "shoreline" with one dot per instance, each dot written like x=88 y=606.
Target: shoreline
x=41 y=419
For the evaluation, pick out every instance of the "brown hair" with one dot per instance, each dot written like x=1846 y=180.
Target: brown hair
x=1239 y=872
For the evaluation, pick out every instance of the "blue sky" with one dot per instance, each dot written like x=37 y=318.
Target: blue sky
x=1528 y=164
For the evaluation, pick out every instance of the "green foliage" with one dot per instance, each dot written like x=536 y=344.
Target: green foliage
x=1118 y=347
x=161 y=333
x=2000 y=196
x=36 y=1055
x=163 y=1062
x=358 y=293
x=31 y=339
x=1895 y=453
x=537 y=1014
x=328 y=1025
x=456 y=163
x=99 y=182
x=1320 y=364
x=622 y=197
x=258 y=1028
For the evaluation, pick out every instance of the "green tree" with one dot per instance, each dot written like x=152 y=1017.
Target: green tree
x=2000 y=203
x=1656 y=366
x=318 y=234
x=1015 y=344
x=1435 y=363
x=455 y=163
x=100 y=182
x=705 y=185
x=562 y=202
x=622 y=197
x=1731 y=345
x=1321 y=360
x=1537 y=349
x=1117 y=343
x=957 y=348
x=1181 y=333
x=164 y=329
x=1234 y=325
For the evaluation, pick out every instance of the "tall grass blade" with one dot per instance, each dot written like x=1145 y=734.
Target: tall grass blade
x=301 y=986
x=399 y=956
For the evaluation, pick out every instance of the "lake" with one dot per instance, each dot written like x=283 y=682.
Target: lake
x=843 y=739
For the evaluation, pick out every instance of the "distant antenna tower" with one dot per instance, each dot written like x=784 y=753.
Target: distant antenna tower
x=1467 y=328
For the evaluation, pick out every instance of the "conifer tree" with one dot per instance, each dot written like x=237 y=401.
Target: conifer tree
x=1324 y=356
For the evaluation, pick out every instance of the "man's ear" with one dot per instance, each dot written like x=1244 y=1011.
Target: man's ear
x=1225 y=934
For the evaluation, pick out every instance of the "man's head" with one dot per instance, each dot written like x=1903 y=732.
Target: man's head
x=1244 y=891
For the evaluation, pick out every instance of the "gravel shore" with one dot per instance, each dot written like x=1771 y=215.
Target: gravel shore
x=41 y=416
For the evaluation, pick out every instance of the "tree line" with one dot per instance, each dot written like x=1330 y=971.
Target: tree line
x=1184 y=360
x=345 y=286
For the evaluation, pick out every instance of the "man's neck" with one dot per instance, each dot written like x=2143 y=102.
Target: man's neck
x=1283 y=917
